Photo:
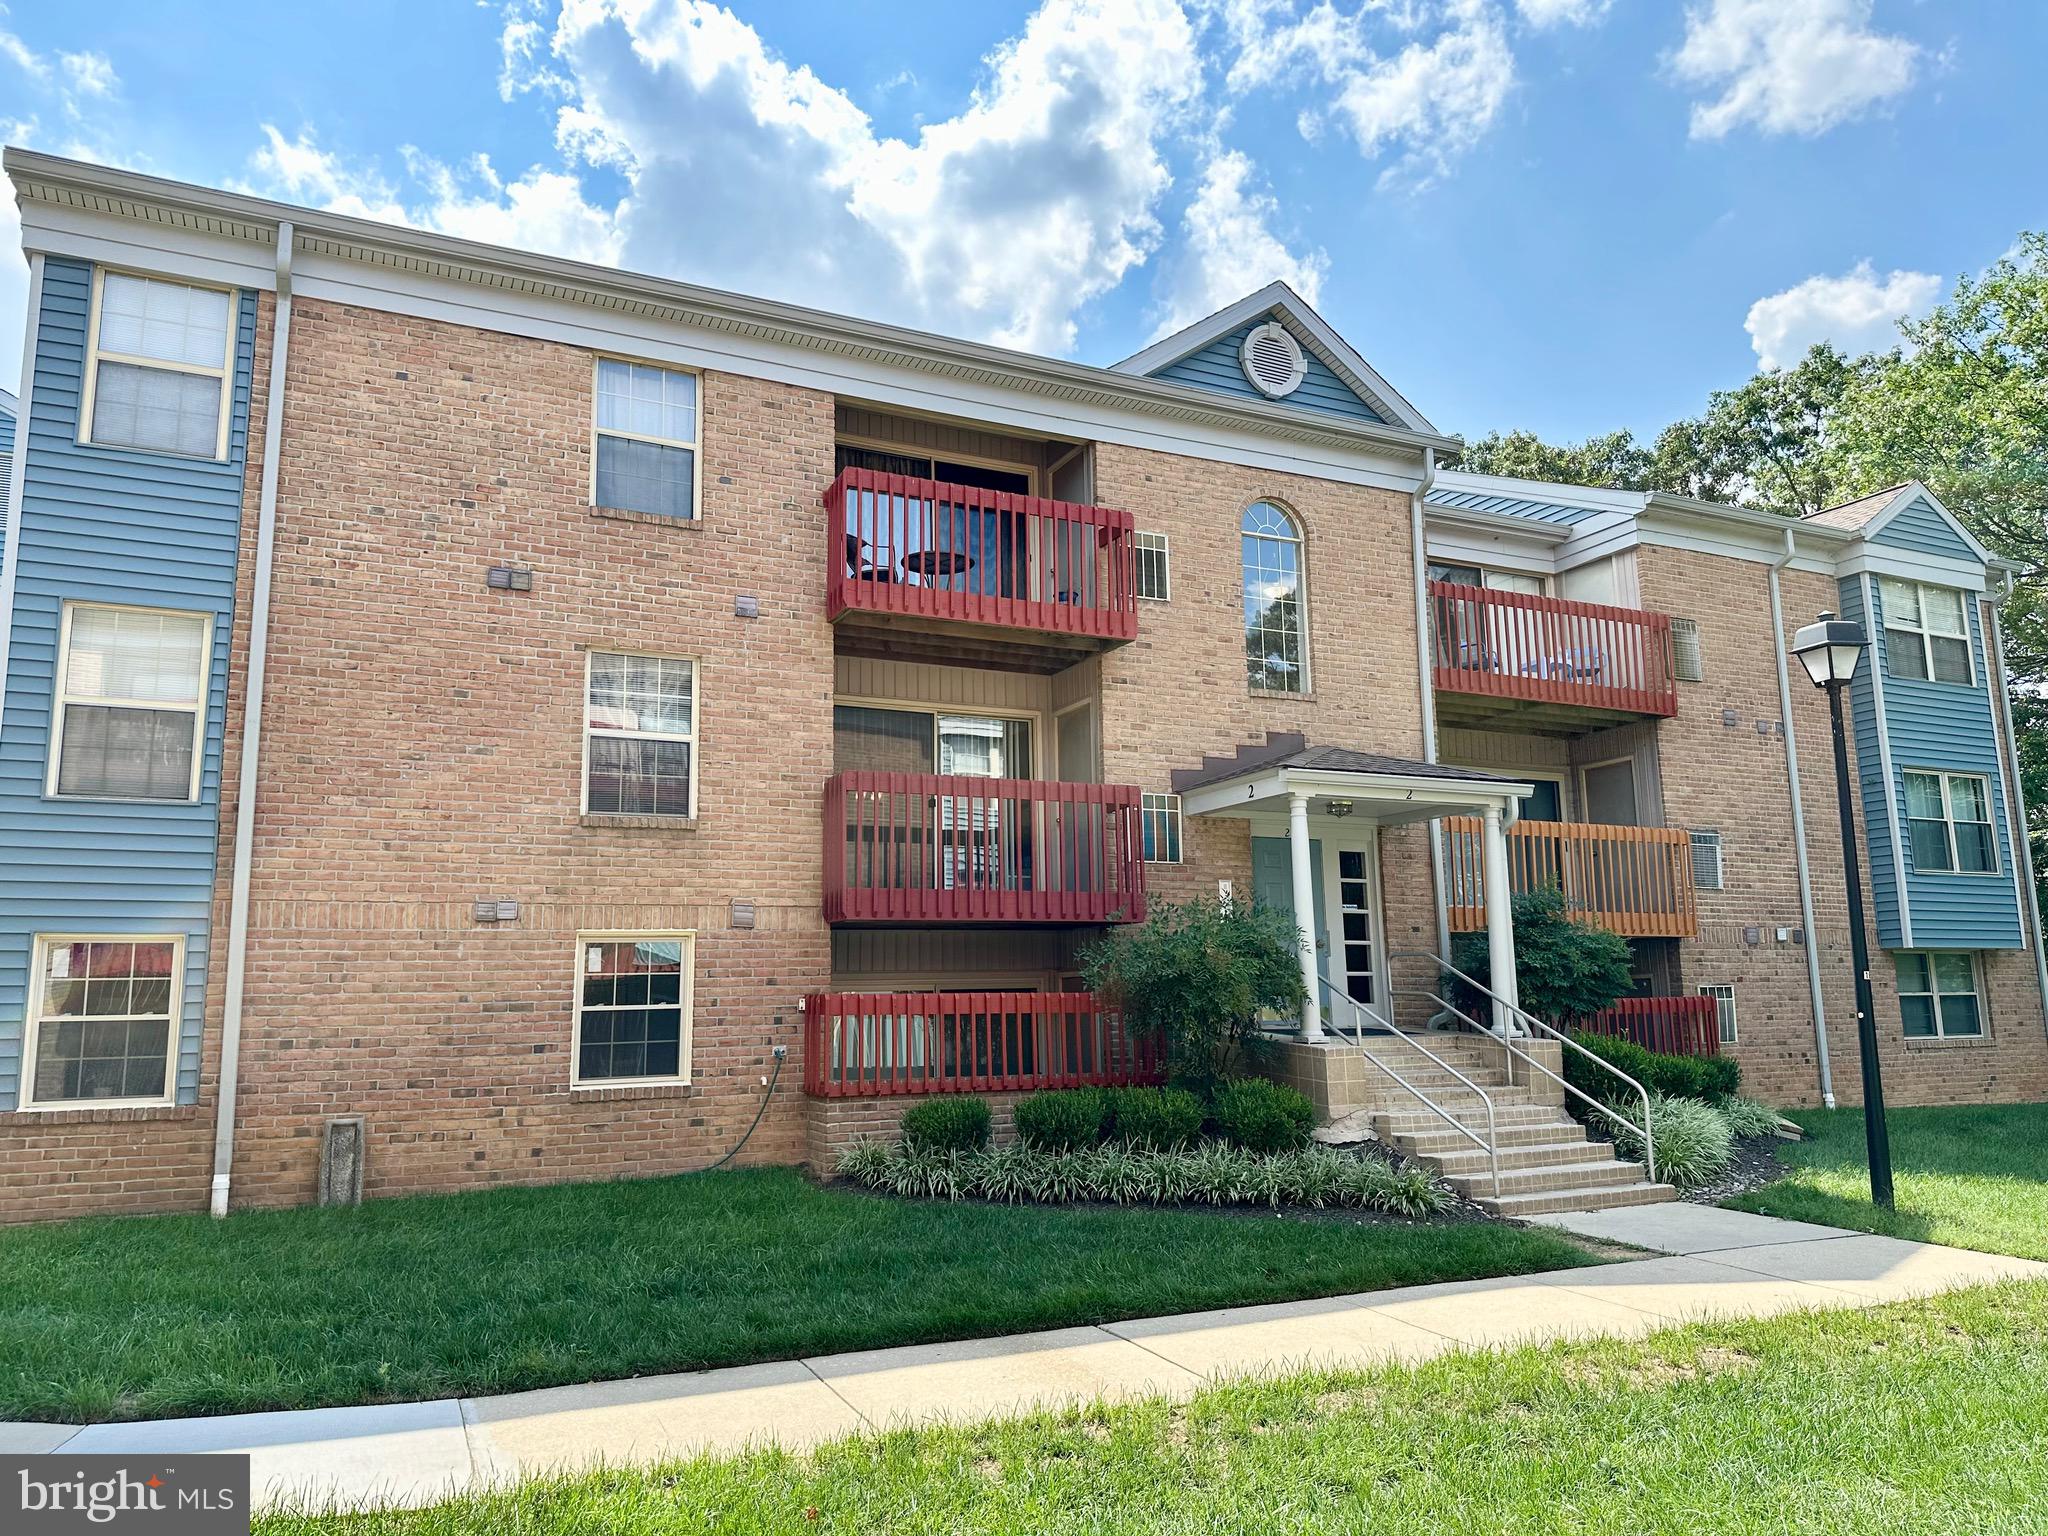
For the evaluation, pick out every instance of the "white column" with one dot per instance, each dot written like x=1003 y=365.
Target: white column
x=1304 y=915
x=1500 y=928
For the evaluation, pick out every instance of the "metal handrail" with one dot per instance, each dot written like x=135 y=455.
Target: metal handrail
x=1530 y=1021
x=1490 y=1145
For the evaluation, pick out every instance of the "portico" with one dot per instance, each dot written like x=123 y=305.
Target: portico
x=1316 y=815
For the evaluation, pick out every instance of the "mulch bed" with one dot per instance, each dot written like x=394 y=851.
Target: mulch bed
x=1756 y=1166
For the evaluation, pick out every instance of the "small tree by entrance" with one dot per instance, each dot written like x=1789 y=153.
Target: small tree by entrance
x=1564 y=969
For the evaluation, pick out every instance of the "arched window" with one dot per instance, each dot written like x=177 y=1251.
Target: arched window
x=1275 y=613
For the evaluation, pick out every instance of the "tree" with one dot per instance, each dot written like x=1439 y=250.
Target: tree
x=1198 y=976
x=1616 y=459
x=1766 y=443
x=1564 y=969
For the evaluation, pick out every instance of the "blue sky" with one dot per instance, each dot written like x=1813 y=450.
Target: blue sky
x=1567 y=215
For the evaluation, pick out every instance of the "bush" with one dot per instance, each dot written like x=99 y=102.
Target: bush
x=1748 y=1117
x=950 y=1123
x=1713 y=1078
x=1197 y=977
x=1063 y=1119
x=1262 y=1116
x=1692 y=1141
x=1563 y=969
x=1156 y=1118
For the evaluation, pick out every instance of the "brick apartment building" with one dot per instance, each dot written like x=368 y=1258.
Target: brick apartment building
x=531 y=709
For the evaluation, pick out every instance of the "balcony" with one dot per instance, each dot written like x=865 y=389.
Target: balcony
x=1547 y=665
x=863 y=1044
x=1636 y=881
x=933 y=848
x=924 y=570
x=1678 y=1026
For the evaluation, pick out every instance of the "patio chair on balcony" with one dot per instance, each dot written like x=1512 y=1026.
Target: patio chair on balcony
x=863 y=563
x=1576 y=664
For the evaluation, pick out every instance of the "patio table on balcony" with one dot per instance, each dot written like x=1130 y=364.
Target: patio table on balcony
x=932 y=565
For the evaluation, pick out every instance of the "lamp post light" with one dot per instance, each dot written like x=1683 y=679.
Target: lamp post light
x=1829 y=649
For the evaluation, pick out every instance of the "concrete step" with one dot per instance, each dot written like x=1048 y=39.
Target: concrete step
x=1440 y=1138
x=1391 y=1100
x=1469 y=1159
x=1548 y=1178
x=1603 y=1199
x=1390 y=1124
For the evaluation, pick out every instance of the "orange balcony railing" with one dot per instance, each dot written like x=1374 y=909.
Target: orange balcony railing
x=941 y=848
x=925 y=549
x=858 y=1044
x=1518 y=647
x=1636 y=881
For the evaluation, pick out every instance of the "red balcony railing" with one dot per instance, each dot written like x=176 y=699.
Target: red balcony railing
x=858 y=1044
x=927 y=549
x=936 y=848
x=1682 y=1026
x=1550 y=650
x=1636 y=881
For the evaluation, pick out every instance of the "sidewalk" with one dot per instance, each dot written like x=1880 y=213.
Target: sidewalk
x=1717 y=1264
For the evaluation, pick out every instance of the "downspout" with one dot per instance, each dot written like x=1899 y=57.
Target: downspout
x=252 y=732
x=2019 y=800
x=17 y=476
x=1426 y=676
x=1813 y=988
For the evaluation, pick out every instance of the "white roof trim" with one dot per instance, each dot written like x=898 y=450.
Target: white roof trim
x=1904 y=497
x=1308 y=327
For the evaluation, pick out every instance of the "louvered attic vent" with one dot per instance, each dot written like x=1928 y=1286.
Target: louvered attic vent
x=1272 y=360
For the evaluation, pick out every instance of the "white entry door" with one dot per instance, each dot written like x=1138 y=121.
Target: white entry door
x=1351 y=955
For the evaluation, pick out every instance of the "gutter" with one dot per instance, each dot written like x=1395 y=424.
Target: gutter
x=2019 y=803
x=252 y=733
x=1426 y=679
x=1799 y=856
x=17 y=475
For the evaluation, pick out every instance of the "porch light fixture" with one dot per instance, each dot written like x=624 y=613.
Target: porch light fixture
x=1336 y=807
x=1829 y=649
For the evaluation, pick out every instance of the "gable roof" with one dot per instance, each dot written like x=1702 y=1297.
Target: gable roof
x=1314 y=333
x=1868 y=515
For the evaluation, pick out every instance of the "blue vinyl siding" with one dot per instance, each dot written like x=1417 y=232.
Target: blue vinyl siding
x=1920 y=528
x=112 y=526
x=1217 y=367
x=1934 y=726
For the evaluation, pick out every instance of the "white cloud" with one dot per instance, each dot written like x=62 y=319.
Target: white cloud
x=90 y=74
x=1858 y=312
x=1430 y=99
x=1230 y=248
x=1788 y=66
x=1562 y=13
x=1001 y=221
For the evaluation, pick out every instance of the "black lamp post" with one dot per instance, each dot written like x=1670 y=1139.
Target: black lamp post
x=1829 y=650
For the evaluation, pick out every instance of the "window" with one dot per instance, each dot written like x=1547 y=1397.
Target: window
x=874 y=738
x=158 y=364
x=1688 y=665
x=1492 y=581
x=646 y=439
x=1276 y=658
x=1938 y=995
x=101 y=1017
x=1161 y=817
x=633 y=1002
x=1948 y=819
x=131 y=700
x=1706 y=861
x=1019 y=480
x=1152 y=572
x=640 y=731
x=1926 y=632
x=1724 y=1010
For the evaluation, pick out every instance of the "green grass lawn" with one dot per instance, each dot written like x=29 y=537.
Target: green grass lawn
x=1974 y=1176
x=515 y=1288
x=1923 y=1417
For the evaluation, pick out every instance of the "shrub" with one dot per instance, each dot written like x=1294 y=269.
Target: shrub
x=1062 y=1119
x=1692 y=1141
x=1196 y=977
x=950 y=1123
x=1158 y=1118
x=1748 y=1117
x=1712 y=1078
x=1262 y=1116
x=1563 y=969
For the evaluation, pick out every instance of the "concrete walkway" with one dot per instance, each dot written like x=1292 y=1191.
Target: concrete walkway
x=1717 y=1264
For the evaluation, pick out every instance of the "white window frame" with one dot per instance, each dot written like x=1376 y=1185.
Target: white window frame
x=696 y=752
x=1699 y=650
x=1164 y=548
x=1936 y=994
x=933 y=458
x=94 y=356
x=1925 y=633
x=1300 y=541
x=1167 y=807
x=1725 y=1024
x=696 y=448
x=61 y=701
x=1948 y=821
x=1701 y=837
x=687 y=994
x=31 y=1041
